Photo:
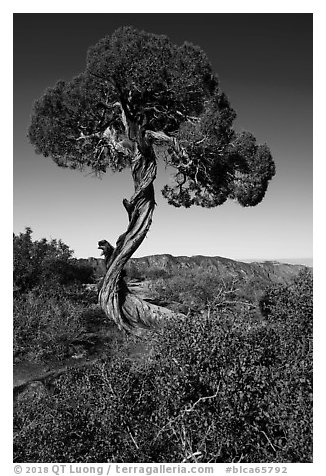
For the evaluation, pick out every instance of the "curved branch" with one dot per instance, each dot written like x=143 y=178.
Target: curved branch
x=160 y=138
x=176 y=152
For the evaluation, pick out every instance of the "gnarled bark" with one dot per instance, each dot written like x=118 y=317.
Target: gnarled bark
x=129 y=311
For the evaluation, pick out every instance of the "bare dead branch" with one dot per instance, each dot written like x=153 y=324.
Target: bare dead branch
x=187 y=410
x=201 y=399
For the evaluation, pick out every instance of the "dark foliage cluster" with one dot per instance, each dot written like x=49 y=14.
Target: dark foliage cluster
x=159 y=82
x=43 y=263
x=137 y=83
x=283 y=302
x=156 y=82
x=215 y=388
x=290 y=308
x=221 y=163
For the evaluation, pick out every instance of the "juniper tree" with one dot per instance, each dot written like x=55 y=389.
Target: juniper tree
x=142 y=99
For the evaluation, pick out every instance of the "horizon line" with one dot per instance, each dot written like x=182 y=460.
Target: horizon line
x=309 y=258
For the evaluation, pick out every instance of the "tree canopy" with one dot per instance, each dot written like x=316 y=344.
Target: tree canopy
x=141 y=90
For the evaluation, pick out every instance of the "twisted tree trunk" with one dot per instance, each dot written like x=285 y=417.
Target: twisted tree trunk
x=129 y=311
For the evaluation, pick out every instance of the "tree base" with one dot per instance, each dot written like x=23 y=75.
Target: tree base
x=135 y=313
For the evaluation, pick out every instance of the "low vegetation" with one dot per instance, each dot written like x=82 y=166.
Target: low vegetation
x=49 y=300
x=220 y=385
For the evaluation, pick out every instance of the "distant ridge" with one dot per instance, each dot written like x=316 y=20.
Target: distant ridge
x=266 y=272
x=303 y=261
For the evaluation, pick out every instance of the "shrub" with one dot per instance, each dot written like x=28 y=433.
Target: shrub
x=45 y=325
x=209 y=390
x=196 y=291
x=45 y=263
x=290 y=308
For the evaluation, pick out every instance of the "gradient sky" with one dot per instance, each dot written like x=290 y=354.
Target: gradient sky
x=264 y=62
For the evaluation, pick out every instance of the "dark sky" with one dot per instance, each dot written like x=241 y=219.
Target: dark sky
x=264 y=62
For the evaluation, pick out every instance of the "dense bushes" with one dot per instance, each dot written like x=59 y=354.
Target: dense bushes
x=46 y=325
x=45 y=263
x=215 y=389
x=49 y=301
x=294 y=303
x=217 y=386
